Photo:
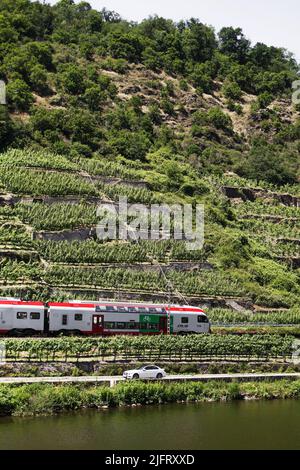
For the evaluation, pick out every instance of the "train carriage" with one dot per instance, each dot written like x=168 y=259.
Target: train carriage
x=73 y=318
x=109 y=318
x=21 y=317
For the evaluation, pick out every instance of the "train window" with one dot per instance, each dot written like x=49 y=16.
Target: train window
x=35 y=315
x=142 y=309
x=64 y=320
x=21 y=315
x=100 y=308
x=161 y=310
x=133 y=325
x=202 y=319
x=109 y=325
x=184 y=320
x=121 y=325
x=152 y=310
x=78 y=317
x=131 y=309
x=110 y=308
x=152 y=326
x=122 y=309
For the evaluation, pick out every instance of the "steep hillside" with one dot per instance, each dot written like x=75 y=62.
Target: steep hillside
x=161 y=113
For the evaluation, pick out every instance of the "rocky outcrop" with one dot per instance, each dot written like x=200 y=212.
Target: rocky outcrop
x=251 y=194
x=294 y=262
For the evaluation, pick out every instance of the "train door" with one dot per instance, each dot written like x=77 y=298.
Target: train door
x=98 y=324
x=163 y=325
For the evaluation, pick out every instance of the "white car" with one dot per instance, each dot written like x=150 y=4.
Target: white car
x=145 y=372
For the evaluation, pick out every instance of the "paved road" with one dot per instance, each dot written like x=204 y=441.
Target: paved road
x=113 y=380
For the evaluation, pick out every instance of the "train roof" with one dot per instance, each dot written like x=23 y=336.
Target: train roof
x=70 y=305
x=91 y=305
x=125 y=304
x=21 y=302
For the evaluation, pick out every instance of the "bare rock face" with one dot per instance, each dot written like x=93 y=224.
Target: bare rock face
x=251 y=194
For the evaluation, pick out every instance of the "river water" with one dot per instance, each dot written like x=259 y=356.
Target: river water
x=235 y=425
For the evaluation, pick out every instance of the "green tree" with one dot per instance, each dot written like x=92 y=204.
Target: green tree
x=19 y=96
x=199 y=41
x=38 y=79
x=71 y=79
x=132 y=145
x=266 y=161
x=233 y=43
x=232 y=90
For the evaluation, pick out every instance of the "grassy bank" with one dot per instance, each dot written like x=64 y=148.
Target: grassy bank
x=49 y=399
x=55 y=369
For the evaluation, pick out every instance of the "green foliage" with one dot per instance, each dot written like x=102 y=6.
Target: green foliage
x=234 y=44
x=23 y=181
x=158 y=347
x=124 y=46
x=215 y=117
x=72 y=79
x=232 y=90
x=36 y=159
x=265 y=99
x=41 y=399
x=225 y=316
x=132 y=145
x=19 y=95
x=233 y=250
x=201 y=78
x=278 y=166
x=189 y=283
x=92 y=251
x=38 y=79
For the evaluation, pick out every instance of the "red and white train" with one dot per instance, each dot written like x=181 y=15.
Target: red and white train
x=27 y=318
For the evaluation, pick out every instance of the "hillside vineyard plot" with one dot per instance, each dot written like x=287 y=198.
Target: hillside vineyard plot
x=222 y=316
x=42 y=159
x=92 y=251
x=61 y=216
x=61 y=177
x=262 y=208
x=189 y=283
x=24 y=181
x=283 y=230
x=151 y=348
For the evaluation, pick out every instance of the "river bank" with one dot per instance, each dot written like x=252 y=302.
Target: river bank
x=45 y=399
